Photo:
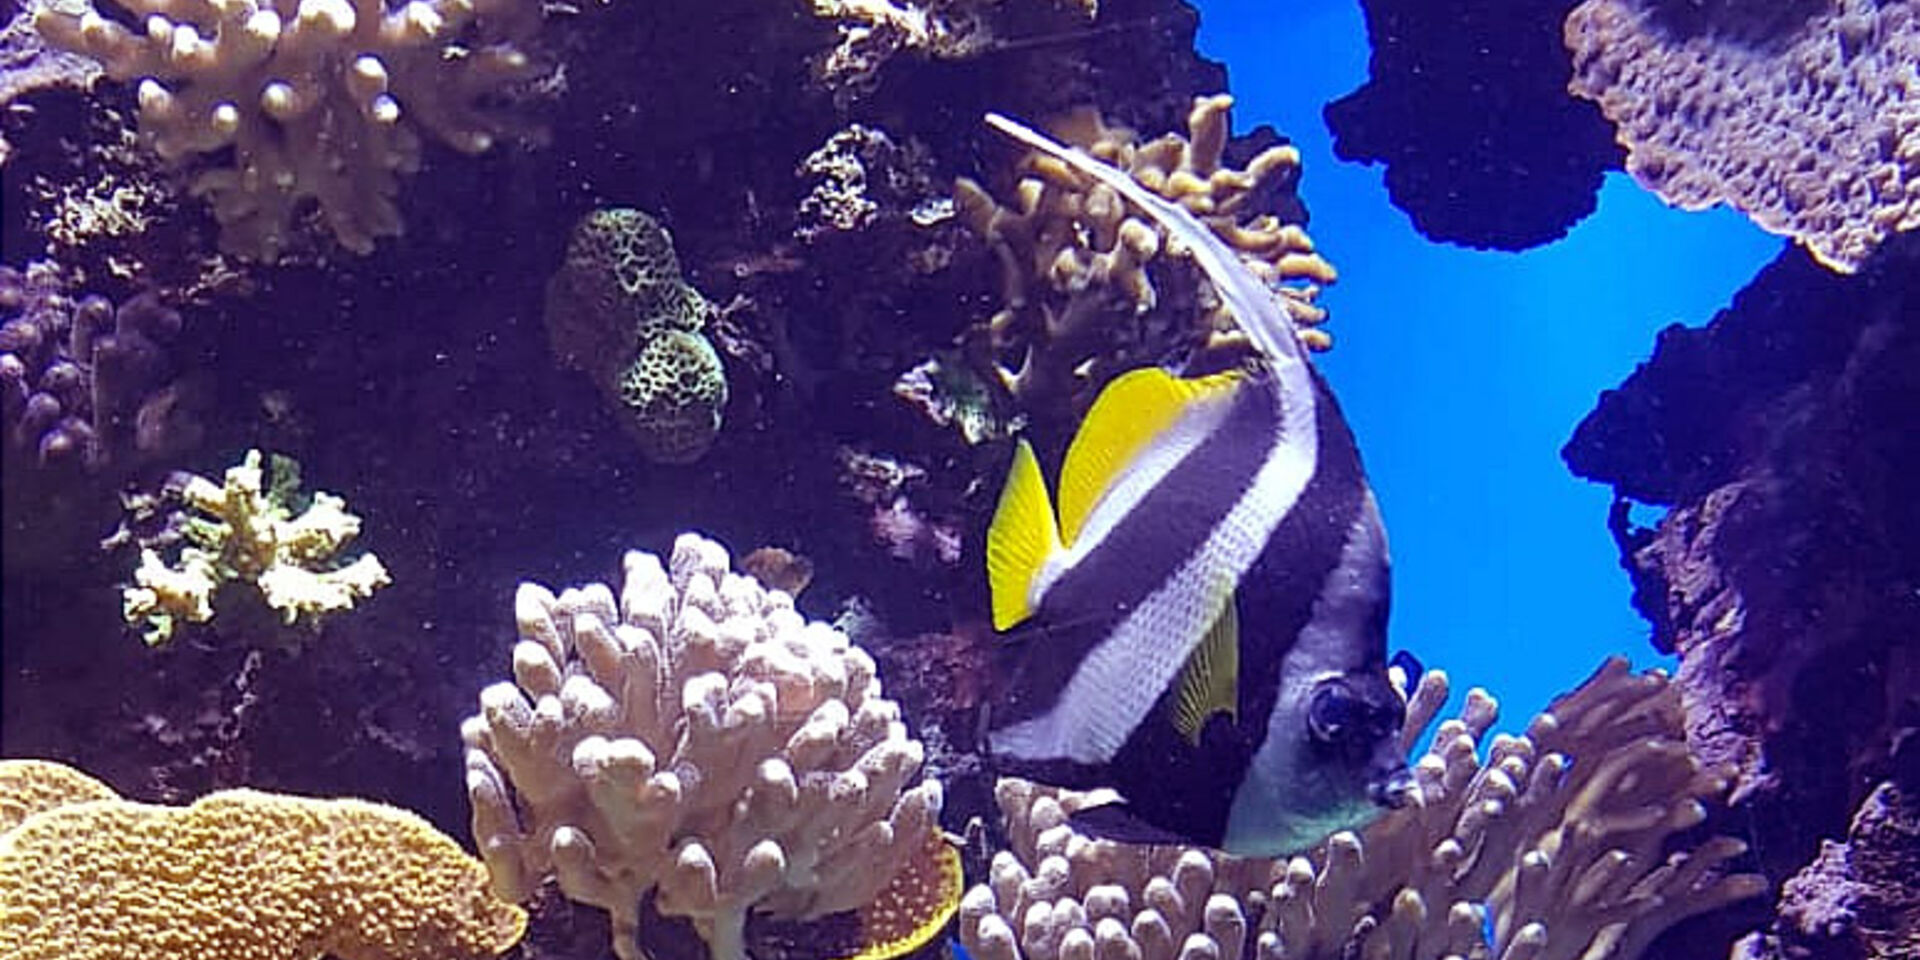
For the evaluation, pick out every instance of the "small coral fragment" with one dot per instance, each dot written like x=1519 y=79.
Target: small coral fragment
x=699 y=742
x=245 y=531
x=619 y=311
x=244 y=875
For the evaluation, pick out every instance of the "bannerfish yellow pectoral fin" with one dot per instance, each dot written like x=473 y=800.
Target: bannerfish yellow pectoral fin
x=1023 y=535
x=1210 y=682
x=1134 y=409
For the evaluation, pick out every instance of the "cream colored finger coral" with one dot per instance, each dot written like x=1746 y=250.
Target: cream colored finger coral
x=696 y=739
x=243 y=875
x=1547 y=845
x=1804 y=117
x=244 y=530
x=322 y=103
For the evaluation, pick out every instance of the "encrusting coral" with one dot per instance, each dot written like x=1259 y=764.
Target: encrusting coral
x=239 y=875
x=1072 y=254
x=28 y=787
x=320 y=102
x=619 y=311
x=1552 y=845
x=244 y=531
x=697 y=740
x=1806 y=117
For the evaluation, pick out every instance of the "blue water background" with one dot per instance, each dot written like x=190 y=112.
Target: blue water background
x=1463 y=372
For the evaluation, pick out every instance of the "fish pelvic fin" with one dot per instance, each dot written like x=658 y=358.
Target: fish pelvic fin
x=1021 y=539
x=1132 y=411
x=1210 y=682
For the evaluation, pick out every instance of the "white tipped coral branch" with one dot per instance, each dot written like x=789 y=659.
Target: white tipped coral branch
x=1548 y=846
x=697 y=739
x=323 y=102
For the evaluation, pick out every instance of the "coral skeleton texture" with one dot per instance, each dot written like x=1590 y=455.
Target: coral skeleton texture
x=698 y=740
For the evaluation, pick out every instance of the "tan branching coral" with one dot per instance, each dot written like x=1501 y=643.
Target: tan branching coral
x=1548 y=845
x=322 y=102
x=1807 y=119
x=699 y=740
x=244 y=531
x=1074 y=256
x=243 y=875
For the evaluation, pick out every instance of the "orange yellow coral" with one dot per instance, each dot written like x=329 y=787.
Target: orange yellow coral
x=28 y=787
x=243 y=875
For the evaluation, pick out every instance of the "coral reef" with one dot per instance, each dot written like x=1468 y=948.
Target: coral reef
x=1551 y=844
x=698 y=744
x=1468 y=109
x=82 y=382
x=245 y=531
x=619 y=311
x=321 y=103
x=1804 y=116
x=1781 y=437
x=1072 y=256
x=242 y=875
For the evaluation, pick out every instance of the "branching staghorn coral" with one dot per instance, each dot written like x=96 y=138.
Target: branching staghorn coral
x=322 y=102
x=244 y=531
x=1805 y=117
x=1073 y=256
x=1550 y=846
x=698 y=741
x=239 y=875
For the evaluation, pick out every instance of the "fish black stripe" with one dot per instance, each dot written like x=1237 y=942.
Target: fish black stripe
x=1164 y=777
x=1142 y=551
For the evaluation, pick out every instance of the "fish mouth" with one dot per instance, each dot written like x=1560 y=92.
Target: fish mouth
x=1395 y=790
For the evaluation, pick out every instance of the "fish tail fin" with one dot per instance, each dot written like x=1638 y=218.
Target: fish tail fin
x=1024 y=535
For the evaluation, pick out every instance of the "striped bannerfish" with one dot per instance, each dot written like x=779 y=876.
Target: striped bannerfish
x=1201 y=627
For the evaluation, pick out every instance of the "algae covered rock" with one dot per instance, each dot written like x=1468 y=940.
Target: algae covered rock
x=619 y=311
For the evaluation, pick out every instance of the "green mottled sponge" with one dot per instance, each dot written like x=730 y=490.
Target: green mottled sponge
x=675 y=390
x=619 y=310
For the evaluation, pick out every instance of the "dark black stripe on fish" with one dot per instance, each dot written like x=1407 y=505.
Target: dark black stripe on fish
x=1163 y=777
x=1140 y=553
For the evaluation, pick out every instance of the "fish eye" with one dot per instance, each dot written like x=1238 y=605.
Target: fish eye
x=1332 y=711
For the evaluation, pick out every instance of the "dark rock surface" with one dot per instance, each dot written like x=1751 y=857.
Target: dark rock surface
x=1468 y=107
x=1782 y=437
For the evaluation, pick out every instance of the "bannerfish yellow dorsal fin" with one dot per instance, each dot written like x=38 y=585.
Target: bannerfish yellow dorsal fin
x=1023 y=535
x=1135 y=407
x=1210 y=682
